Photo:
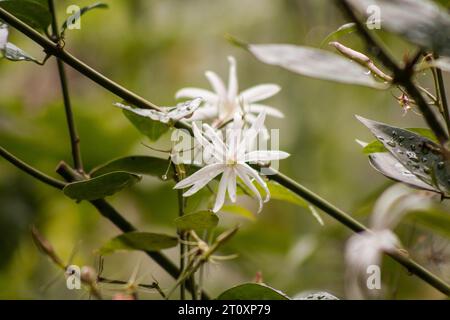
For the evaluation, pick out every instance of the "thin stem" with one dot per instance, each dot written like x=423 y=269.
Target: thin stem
x=74 y=138
x=401 y=76
x=138 y=101
x=182 y=236
x=110 y=213
x=442 y=94
x=30 y=170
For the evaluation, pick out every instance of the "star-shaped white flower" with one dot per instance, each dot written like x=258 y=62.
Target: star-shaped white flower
x=231 y=160
x=224 y=102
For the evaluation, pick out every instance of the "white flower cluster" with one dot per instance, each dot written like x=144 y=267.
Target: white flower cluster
x=229 y=142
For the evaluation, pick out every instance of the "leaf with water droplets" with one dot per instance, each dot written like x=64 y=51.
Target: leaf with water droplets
x=386 y=164
x=419 y=155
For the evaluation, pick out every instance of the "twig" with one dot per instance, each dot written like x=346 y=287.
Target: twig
x=74 y=138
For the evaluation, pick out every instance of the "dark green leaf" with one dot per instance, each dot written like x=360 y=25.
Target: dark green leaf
x=101 y=186
x=97 y=5
x=422 y=22
x=321 y=295
x=152 y=166
x=377 y=146
x=139 y=241
x=151 y=128
x=419 y=155
x=202 y=220
x=315 y=63
x=33 y=12
x=252 y=291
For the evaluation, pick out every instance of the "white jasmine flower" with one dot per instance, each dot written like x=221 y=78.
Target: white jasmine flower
x=231 y=160
x=366 y=248
x=224 y=102
x=3 y=36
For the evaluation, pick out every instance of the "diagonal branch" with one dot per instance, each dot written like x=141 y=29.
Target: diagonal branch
x=401 y=76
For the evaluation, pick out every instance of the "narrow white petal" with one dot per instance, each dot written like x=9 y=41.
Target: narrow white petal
x=221 y=192
x=217 y=85
x=192 y=93
x=254 y=174
x=249 y=184
x=252 y=133
x=208 y=147
x=197 y=186
x=258 y=108
x=204 y=113
x=217 y=141
x=208 y=172
x=259 y=92
x=232 y=80
x=265 y=155
x=232 y=186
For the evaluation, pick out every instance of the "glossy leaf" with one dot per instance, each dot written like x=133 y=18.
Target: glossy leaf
x=339 y=32
x=321 y=295
x=239 y=211
x=151 y=128
x=377 y=146
x=147 y=165
x=252 y=291
x=139 y=241
x=422 y=22
x=33 y=12
x=315 y=63
x=386 y=164
x=202 y=220
x=419 y=155
x=101 y=186
x=97 y=5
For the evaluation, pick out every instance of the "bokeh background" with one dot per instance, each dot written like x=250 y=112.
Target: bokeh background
x=154 y=48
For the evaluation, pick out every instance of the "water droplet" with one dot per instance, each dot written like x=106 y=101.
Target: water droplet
x=400 y=151
x=440 y=165
x=412 y=156
x=380 y=138
x=412 y=147
x=394 y=134
x=426 y=169
x=391 y=143
x=164 y=177
x=401 y=138
x=424 y=159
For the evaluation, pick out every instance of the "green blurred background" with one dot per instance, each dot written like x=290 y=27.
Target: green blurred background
x=154 y=48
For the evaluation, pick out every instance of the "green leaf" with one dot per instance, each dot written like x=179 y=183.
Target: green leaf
x=97 y=5
x=252 y=291
x=422 y=22
x=279 y=192
x=339 y=32
x=419 y=155
x=151 y=128
x=377 y=146
x=315 y=63
x=238 y=210
x=13 y=53
x=202 y=220
x=35 y=13
x=436 y=220
x=101 y=186
x=147 y=165
x=139 y=241
x=321 y=295
x=386 y=164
